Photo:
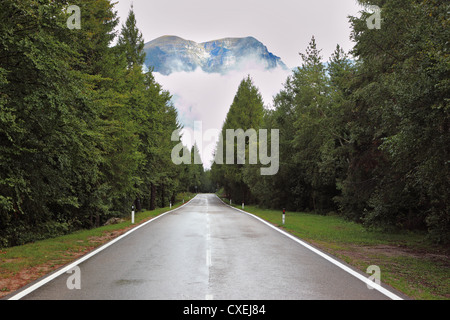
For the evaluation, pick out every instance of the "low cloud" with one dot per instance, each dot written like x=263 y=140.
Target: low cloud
x=207 y=97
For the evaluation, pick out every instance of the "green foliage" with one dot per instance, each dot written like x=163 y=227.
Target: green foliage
x=131 y=42
x=246 y=113
x=84 y=132
x=404 y=90
x=369 y=137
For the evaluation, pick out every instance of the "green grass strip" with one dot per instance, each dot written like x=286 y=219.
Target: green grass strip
x=407 y=260
x=21 y=265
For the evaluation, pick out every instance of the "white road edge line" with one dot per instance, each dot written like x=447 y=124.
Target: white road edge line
x=72 y=265
x=364 y=279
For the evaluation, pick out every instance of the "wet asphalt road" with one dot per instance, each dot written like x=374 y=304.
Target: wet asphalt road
x=207 y=250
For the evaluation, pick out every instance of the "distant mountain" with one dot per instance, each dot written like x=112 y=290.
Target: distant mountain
x=170 y=54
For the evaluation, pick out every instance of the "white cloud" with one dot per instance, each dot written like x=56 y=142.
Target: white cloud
x=285 y=28
x=207 y=97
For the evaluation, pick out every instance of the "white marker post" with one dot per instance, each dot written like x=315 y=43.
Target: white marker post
x=132 y=214
x=242 y=205
x=284 y=214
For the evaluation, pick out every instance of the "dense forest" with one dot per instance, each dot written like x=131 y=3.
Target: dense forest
x=366 y=134
x=85 y=133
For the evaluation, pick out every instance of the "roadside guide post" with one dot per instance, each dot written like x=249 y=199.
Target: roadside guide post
x=284 y=214
x=132 y=214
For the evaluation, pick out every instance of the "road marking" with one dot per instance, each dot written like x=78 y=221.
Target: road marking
x=71 y=266
x=208 y=258
x=208 y=247
x=359 y=276
x=208 y=240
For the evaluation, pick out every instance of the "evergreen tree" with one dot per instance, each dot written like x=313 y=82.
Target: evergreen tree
x=82 y=129
x=246 y=113
x=131 y=42
x=50 y=156
x=403 y=92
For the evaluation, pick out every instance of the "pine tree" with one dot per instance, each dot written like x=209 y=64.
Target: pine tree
x=402 y=90
x=131 y=42
x=246 y=113
x=50 y=157
x=83 y=131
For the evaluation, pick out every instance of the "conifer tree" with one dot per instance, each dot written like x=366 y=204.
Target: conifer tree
x=246 y=113
x=131 y=42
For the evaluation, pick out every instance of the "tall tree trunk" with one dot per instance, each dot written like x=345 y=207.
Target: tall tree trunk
x=137 y=204
x=163 y=201
x=153 y=197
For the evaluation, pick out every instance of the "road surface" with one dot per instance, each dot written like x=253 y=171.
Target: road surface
x=205 y=250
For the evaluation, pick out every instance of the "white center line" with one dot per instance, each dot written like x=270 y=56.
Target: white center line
x=208 y=258
x=208 y=296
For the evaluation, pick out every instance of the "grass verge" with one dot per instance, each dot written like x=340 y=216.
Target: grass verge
x=22 y=265
x=407 y=261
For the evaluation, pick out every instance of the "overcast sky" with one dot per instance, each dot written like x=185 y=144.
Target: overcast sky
x=284 y=26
